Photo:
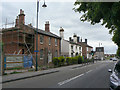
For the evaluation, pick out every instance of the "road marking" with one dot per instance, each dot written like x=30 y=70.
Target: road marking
x=88 y=71
x=68 y=80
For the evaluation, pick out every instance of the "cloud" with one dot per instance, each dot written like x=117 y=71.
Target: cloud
x=60 y=14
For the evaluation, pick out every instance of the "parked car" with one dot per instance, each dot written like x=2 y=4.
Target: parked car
x=114 y=59
x=110 y=58
x=115 y=77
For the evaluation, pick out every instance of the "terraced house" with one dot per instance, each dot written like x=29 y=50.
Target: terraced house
x=70 y=48
x=21 y=39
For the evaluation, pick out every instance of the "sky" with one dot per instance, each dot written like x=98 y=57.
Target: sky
x=59 y=14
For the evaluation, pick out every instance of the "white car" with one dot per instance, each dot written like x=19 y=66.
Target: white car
x=114 y=59
x=115 y=77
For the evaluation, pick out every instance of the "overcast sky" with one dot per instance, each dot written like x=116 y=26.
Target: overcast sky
x=59 y=14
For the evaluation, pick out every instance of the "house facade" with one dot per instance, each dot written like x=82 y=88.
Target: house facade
x=21 y=39
x=99 y=53
x=86 y=49
x=69 y=48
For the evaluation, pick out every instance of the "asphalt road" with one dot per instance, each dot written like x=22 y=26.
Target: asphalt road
x=89 y=76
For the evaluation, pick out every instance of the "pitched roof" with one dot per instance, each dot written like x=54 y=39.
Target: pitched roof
x=44 y=32
x=39 y=31
x=83 y=43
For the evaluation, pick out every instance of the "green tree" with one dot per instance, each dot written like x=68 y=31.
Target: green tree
x=106 y=13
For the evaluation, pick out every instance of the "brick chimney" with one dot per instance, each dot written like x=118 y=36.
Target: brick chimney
x=78 y=39
x=17 y=22
x=70 y=39
x=47 y=28
x=21 y=17
x=81 y=39
x=86 y=41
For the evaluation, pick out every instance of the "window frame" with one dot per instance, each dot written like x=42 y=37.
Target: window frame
x=42 y=53
x=41 y=37
x=56 y=42
x=50 y=40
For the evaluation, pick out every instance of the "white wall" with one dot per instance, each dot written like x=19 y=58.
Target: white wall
x=76 y=50
x=64 y=47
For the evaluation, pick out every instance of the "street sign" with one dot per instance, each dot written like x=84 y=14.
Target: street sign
x=36 y=51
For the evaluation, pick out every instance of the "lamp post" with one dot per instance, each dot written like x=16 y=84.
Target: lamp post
x=44 y=5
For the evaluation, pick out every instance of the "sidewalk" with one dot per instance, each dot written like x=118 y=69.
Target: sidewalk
x=25 y=75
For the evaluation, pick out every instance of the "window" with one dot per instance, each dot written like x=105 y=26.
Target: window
x=41 y=39
x=49 y=40
x=41 y=53
x=71 y=54
x=56 y=53
x=87 y=48
x=71 y=47
x=76 y=47
x=79 y=48
x=55 y=42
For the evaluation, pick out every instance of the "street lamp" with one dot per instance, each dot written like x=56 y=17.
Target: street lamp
x=44 y=5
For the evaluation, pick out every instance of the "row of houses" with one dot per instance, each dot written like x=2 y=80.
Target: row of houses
x=21 y=39
x=74 y=46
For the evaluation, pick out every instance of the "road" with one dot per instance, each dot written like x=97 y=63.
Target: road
x=88 y=76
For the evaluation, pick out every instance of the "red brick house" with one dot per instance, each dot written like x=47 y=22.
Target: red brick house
x=21 y=39
x=86 y=49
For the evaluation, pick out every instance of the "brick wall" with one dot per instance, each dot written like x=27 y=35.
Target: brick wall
x=46 y=48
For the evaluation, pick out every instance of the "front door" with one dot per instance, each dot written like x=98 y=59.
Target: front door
x=49 y=57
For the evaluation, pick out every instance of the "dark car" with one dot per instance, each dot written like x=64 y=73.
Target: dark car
x=115 y=77
x=114 y=59
x=110 y=58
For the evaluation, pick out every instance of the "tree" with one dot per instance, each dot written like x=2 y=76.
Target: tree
x=105 y=12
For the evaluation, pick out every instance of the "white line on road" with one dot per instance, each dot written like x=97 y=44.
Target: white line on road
x=89 y=71
x=68 y=80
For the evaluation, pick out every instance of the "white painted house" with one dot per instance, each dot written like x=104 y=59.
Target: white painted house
x=70 y=48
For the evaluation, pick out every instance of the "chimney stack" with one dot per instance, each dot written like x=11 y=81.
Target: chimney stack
x=17 y=22
x=78 y=39
x=47 y=29
x=61 y=32
x=21 y=17
x=81 y=39
x=70 y=39
x=75 y=38
x=86 y=41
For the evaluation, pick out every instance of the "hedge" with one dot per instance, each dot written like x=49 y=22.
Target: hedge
x=61 y=61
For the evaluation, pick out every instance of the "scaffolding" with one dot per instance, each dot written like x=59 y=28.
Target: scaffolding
x=19 y=40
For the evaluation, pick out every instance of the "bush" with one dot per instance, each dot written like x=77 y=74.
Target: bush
x=68 y=60
x=80 y=59
x=61 y=61
x=74 y=60
x=55 y=61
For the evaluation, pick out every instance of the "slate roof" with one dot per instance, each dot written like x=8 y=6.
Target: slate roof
x=39 y=31
x=83 y=43
x=44 y=32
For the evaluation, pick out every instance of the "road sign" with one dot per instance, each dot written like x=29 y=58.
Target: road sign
x=36 y=51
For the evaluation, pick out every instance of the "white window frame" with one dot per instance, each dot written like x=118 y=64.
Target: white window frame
x=56 y=42
x=41 y=36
